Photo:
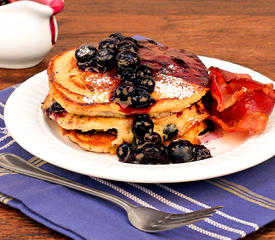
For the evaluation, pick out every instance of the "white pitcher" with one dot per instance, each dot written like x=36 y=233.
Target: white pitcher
x=28 y=31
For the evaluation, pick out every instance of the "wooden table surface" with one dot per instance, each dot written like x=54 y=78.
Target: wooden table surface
x=239 y=31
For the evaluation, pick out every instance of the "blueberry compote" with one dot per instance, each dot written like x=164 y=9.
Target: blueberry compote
x=56 y=109
x=147 y=147
x=121 y=54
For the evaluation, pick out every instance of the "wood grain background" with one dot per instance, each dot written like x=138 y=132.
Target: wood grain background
x=239 y=31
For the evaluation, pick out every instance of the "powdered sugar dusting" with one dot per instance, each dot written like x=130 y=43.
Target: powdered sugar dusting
x=97 y=97
x=100 y=86
x=100 y=80
x=170 y=67
x=172 y=87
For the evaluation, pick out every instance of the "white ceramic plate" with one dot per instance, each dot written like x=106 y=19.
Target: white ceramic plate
x=40 y=136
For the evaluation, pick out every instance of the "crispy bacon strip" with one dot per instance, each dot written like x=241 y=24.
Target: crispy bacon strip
x=240 y=103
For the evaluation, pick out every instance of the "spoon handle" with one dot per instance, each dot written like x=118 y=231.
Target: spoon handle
x=17 y=164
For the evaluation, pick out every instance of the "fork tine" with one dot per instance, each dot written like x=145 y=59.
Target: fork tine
x=182 y=220
x=187 y=222
x=194 y=214
x=167 y=226
x=204 y=211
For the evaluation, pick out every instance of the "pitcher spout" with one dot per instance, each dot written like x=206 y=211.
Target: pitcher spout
x=56 y=5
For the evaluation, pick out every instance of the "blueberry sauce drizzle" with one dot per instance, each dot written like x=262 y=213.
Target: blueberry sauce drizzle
x=122 y=54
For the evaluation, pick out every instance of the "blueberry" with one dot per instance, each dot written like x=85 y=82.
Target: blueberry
x=127 y=74
x=83 y=66
x=153 y=138
x=130 y=39
x=144 y=70
x=149 y=153
x=170 y=131
x=116 y=35
x=106 y=58
x=138 y=141
x=139 y=155
x=127 y=59
x=122 y=94
x=164 y=157
x=124 y=153
x=147 y=83
x=56 y=107
x=201 y=152
x=87 y=66
x=140 y=99
x=180 y=151
x=126 y=45
x=152 y=153
x=93 y=66
x=108 y=43
x=142 y=125
x=85 y=53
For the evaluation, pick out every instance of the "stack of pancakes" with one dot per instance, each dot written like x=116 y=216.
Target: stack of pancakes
x=91 y=119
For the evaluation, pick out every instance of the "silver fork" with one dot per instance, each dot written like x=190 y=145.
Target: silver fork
x=143 y=218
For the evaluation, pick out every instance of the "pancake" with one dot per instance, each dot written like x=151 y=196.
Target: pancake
x=102 y=142
x=81 y=102
x=181 y=79
x=183 y=121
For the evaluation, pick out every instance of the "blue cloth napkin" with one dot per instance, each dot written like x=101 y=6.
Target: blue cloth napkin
x=247 y=197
